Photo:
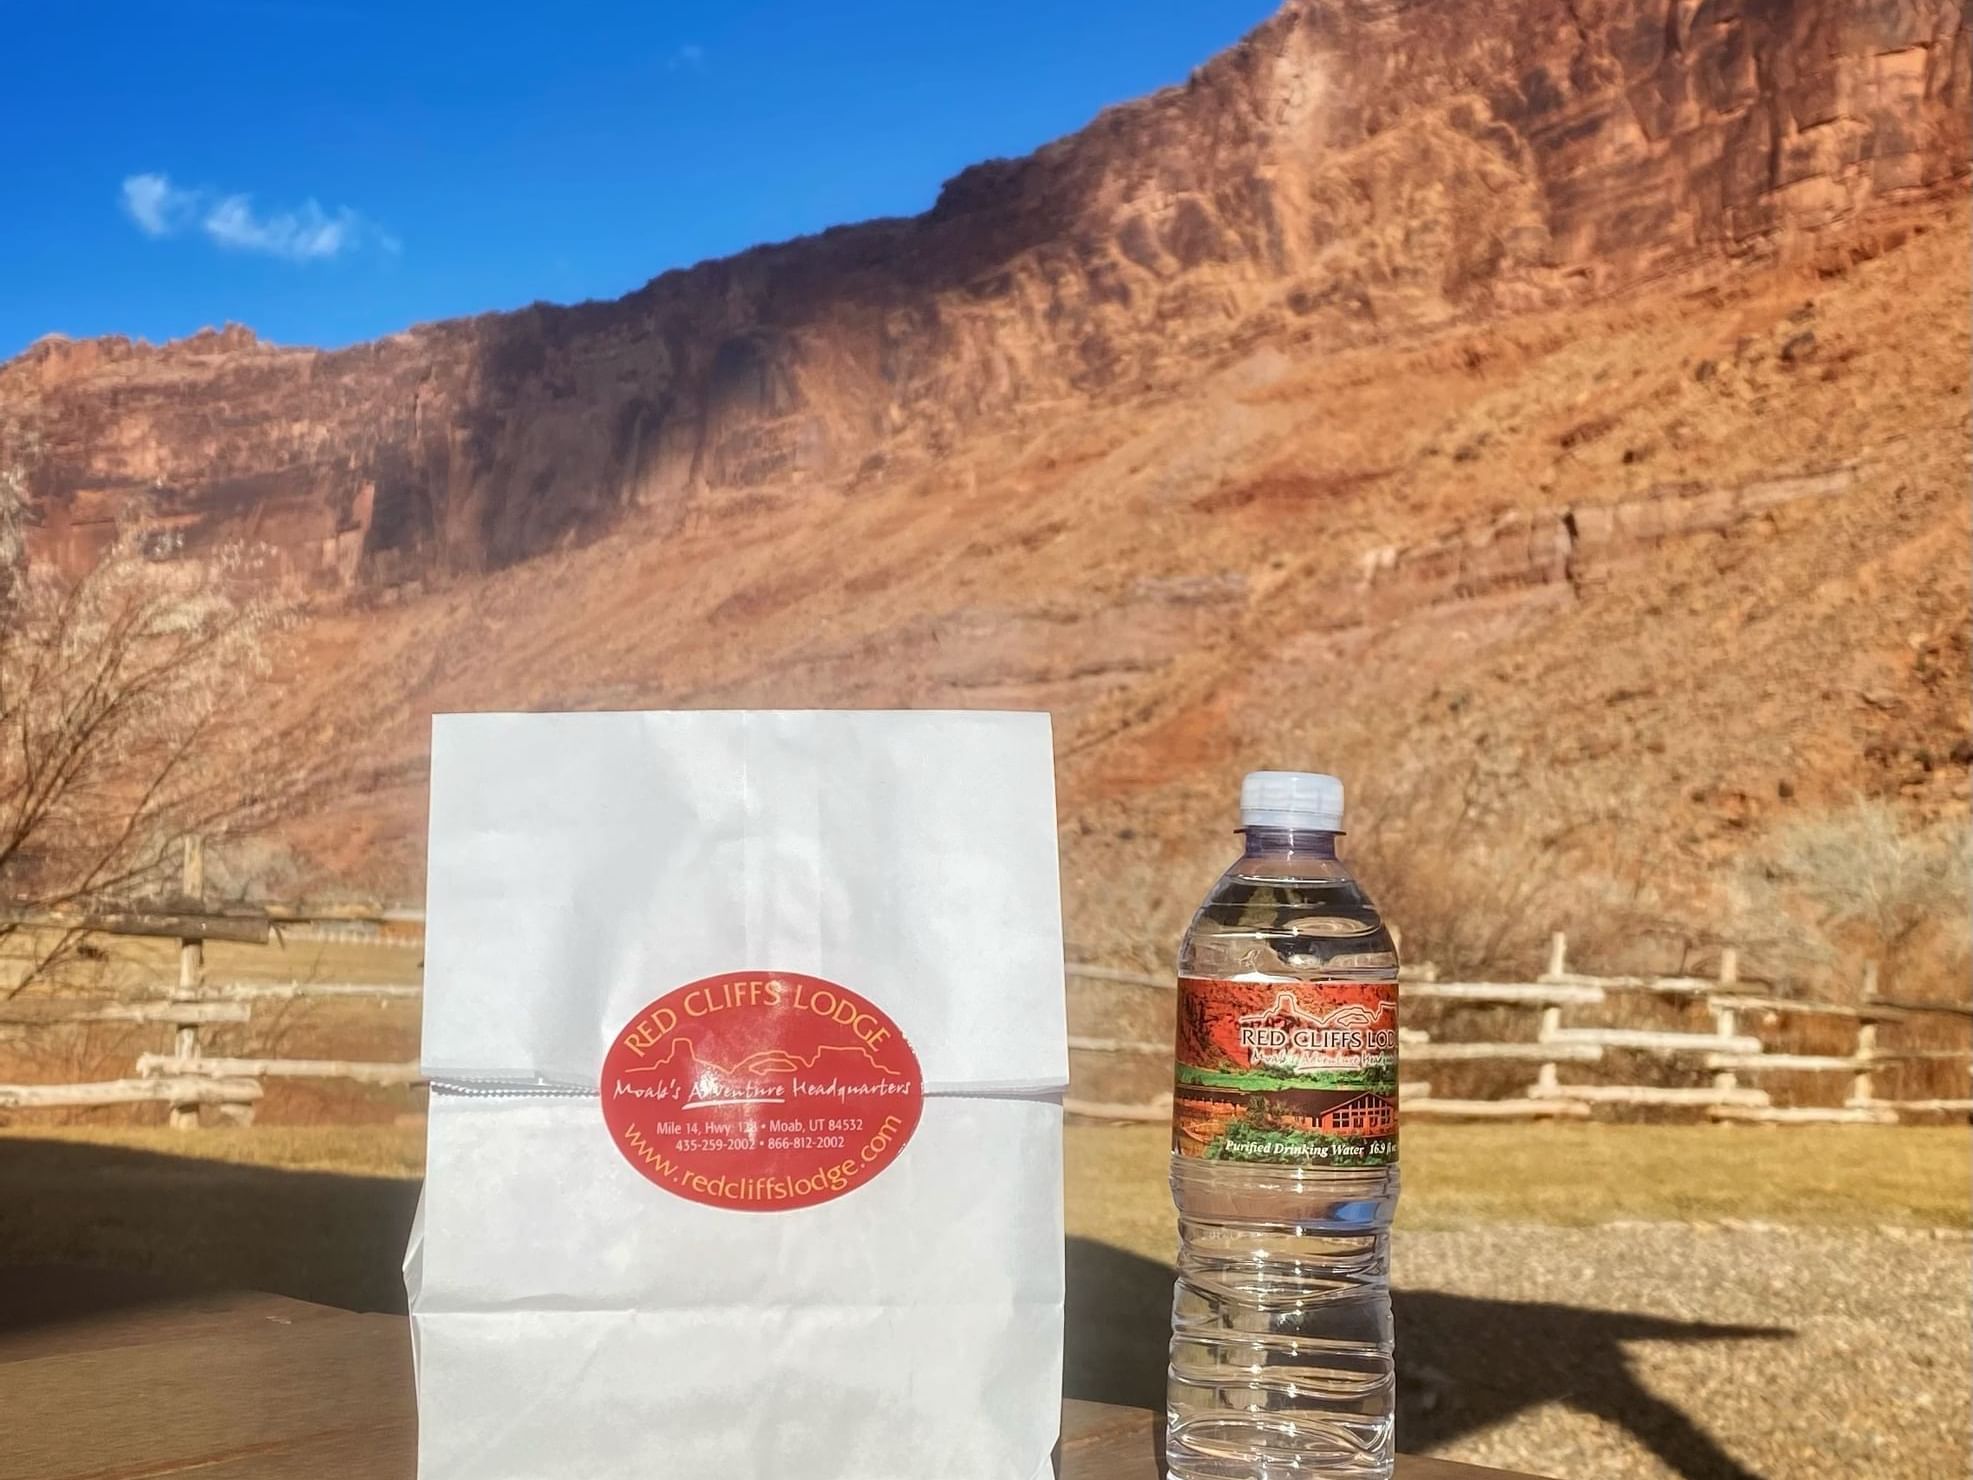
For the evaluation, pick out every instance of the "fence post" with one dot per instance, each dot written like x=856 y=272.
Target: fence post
x=1551 y=1017
x=1863 y=1088
x=191 y=976
x=1558 y=954
x=1725 y=1019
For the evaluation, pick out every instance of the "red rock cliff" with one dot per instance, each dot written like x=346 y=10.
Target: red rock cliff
x=1355 y=169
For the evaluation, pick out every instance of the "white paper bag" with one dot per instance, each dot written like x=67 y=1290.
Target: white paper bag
x=577 y=1317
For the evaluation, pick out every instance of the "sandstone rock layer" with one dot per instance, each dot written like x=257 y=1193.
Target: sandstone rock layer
x=1356 y=171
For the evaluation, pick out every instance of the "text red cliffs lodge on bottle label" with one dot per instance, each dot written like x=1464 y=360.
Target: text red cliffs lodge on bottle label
x=1289 y=1073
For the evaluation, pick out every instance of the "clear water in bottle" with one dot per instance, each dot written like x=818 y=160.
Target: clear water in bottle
x=1284 y=1158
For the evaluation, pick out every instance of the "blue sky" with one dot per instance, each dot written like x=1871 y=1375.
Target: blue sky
x=329 y=170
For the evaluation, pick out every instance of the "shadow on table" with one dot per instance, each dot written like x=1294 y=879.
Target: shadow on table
x=1464 y=1363
x=89 y=1229
x=126 y=1225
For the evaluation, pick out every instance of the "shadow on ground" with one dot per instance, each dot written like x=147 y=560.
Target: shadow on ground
x=1464 y=1363
x=86 y=1229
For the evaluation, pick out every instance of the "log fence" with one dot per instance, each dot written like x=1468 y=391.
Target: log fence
x=1728 y=1051
x=187 y=1079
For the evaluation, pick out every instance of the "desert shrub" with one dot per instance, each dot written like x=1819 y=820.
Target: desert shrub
x=1476 y=890
x=1863 y=882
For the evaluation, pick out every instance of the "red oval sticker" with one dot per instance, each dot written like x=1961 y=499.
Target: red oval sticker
x=761 y=1090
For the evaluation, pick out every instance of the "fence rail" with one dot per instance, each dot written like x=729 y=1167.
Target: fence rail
x=357 y=1073
x=298 y=991
x=186 y=1079
x=177 y=1091
x=1726 y=1052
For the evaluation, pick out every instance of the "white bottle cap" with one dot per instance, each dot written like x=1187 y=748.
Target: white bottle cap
x=1304 y=801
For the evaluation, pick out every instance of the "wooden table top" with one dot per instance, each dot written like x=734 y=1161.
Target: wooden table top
x=126 y=1385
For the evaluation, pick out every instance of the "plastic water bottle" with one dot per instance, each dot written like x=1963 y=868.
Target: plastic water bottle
x=1284 y=1158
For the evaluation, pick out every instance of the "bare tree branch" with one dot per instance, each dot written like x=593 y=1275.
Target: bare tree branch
x=126 y=695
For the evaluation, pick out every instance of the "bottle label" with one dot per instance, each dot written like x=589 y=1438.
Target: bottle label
x=761 y=1091
x=1293 y=1073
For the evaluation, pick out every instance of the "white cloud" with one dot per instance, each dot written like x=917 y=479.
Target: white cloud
x=300 y=236
x=157 y=206
x=691 y=54
x=305 y=234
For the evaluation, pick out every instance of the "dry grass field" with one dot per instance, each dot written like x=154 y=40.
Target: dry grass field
x=192 y=1205
x=1460 y=1176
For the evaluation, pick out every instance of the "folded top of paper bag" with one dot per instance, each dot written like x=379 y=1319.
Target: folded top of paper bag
x=583 y=865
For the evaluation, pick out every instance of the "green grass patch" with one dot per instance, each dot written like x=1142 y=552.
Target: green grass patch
x=1259 y=1081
